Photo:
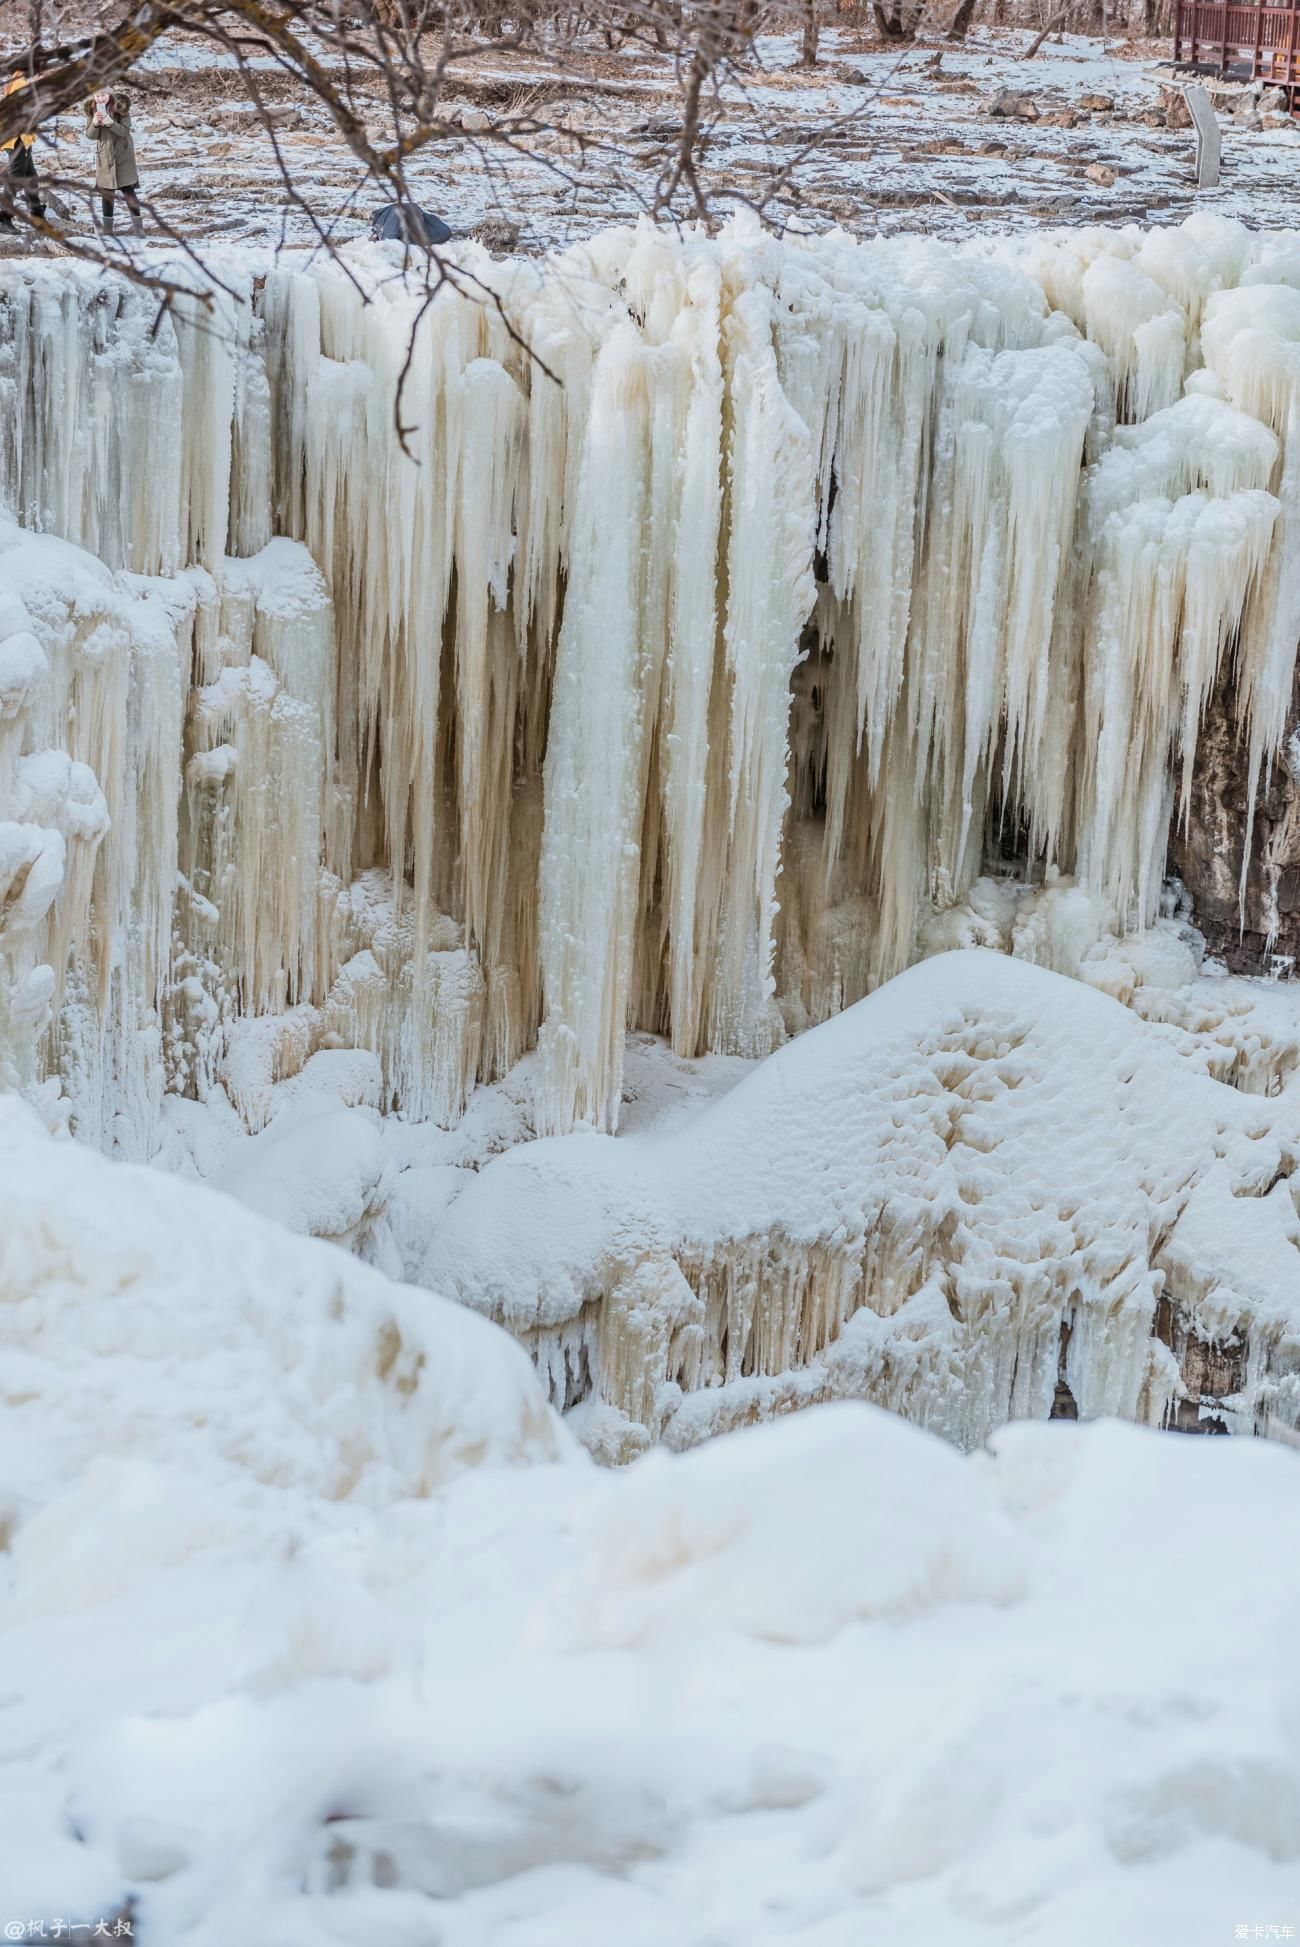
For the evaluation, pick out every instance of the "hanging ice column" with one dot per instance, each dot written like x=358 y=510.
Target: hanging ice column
x=724 y=606
x=1180 y=527
x=1251 y=339
x=608 y=663
x=639 y=606
x=91 y=713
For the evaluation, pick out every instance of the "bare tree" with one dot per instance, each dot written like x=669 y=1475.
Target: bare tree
x=386 y=73
x=898 y=20
x=382 y=71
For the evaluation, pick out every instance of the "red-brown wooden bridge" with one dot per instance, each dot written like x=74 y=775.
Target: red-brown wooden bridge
x=1220 y=33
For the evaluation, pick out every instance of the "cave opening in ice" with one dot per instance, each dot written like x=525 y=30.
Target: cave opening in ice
x=727 y=609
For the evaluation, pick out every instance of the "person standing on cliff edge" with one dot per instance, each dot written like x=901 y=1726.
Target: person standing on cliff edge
x=108 y=126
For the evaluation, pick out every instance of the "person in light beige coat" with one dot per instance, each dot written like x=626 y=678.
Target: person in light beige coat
x=108 y=126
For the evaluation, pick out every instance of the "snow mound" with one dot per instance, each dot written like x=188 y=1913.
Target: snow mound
x=164 y=1350
x=695 y=1546
x=970 y=1197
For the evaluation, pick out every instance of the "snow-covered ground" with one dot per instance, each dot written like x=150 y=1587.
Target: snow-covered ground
x=317 y=1629
x=872 y=138
x=913 y=1149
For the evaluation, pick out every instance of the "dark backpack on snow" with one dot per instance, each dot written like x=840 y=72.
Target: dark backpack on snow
x=407 y=222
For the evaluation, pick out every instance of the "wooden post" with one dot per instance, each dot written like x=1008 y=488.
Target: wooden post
x=1196 y=22
x=1223 y=58
x=1178 y=31
x=1259 y=39
x=1290 y=55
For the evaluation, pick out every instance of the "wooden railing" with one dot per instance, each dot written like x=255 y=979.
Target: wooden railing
x=1215 y=30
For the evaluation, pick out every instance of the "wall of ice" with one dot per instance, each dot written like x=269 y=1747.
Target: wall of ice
x=689 y=631
x=718 y=608
x=667 y=634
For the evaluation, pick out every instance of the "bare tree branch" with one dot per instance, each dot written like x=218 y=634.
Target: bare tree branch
x=96 y=63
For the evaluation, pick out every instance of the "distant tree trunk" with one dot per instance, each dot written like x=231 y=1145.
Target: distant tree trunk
x=897 y=20
x=961 y=20
x=810 y=33
x=1048 y=27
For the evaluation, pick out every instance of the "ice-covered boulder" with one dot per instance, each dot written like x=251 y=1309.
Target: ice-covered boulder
x=967 y=1197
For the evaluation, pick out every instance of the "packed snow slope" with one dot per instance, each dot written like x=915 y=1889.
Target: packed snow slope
x=317 y=1629
x=987 y=1192
x=725 y=612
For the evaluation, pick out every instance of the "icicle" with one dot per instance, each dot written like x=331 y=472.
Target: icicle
x=590 y=849
x=1142 y=332
x=693 y=660
x=770 y=592
x=258 y=777
x=1252 y=345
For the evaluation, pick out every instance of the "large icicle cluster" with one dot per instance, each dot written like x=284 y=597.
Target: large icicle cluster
x=92 y=700
x=716 y=607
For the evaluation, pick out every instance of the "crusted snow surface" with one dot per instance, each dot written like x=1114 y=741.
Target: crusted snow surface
x=972 y=1188
x=316 y=1628
x=900 y=134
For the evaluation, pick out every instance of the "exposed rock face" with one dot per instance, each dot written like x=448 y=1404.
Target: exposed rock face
x=1262 y=933
x=1212 y=1373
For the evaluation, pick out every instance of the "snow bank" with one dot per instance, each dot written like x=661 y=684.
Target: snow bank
x=154 y=1333
x=821 y=1679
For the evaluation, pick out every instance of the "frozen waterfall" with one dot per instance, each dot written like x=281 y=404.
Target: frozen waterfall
x=720 y=604
x=675 y=650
